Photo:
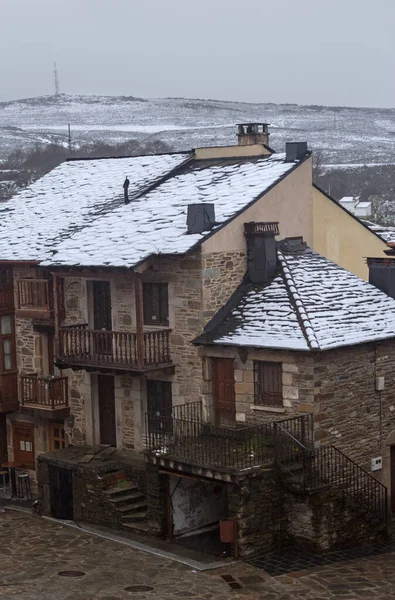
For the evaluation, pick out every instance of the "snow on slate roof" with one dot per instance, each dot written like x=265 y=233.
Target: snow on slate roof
x=386 y=232
x=155 y=223
x=68 y=198
x=313 y=304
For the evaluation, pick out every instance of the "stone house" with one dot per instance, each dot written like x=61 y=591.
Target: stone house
x=100 y=302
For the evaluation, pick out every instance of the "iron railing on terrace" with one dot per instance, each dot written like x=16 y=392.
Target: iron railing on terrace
x=44 y=392
x=185 y=436
x=327 y=466
x=79 y=345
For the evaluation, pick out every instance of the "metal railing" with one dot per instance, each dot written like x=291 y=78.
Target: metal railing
x=195 y=442
x=327 y=466
x=330 y=466
x=45 y=392
x=80 y=345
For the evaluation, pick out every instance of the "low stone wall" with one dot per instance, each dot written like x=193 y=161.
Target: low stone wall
x=327 y=520
x=90 y=504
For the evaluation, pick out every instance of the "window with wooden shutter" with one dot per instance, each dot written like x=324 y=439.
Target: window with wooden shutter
x=156 y=303
x=56 y=436
x=268 y=383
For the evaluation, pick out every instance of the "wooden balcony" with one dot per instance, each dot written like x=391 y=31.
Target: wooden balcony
x=35 y=298
x=114 y=349
x=49 y=395
x=8 y=392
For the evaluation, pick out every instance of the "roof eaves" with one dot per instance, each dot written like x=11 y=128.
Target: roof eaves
x=258 y=197
x=317 y=187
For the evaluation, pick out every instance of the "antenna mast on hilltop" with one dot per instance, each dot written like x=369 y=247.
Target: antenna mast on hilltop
x=56 y=77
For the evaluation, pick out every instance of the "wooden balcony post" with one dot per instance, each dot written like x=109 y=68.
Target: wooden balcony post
x=139 y=322
x=57 y=314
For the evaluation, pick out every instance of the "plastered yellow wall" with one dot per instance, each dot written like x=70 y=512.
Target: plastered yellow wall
x=341 y=238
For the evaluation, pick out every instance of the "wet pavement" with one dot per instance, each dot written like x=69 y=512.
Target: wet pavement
x=43 y=560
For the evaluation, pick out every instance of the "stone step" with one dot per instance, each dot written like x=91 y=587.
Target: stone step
x=131 y=518
x=129 y=508
x=120 y=489
x=137 y=506
x=138 y=527
x=135 y=496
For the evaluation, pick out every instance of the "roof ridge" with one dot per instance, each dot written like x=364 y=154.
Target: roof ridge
x=301 y=311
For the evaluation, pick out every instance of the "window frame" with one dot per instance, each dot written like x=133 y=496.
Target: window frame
x=272 y=397
x=161 y=289
x=7 y=337
x=52 y=425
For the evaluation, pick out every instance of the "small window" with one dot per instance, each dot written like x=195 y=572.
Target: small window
x=156 y=303
x=268 y=384
x=56 y=436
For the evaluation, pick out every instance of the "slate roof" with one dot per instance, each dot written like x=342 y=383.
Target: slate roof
x=311 y=304
x=76 y=216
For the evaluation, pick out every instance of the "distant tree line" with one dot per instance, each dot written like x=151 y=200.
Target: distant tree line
x=22 y=167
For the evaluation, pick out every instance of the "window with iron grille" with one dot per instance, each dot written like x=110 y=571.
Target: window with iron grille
x=156 y=303
x=268 y=383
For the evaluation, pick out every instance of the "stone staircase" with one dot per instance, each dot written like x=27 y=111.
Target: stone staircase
x=131 y=504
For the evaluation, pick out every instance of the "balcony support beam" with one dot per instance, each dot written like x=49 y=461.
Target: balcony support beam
x=57 y=312
x=139 y=322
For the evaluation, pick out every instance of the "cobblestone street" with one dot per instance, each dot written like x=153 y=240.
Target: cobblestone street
x=34 y=551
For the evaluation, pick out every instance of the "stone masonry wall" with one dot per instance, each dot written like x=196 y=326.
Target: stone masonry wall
x=327 y=520
x=183 y=274
x=350 y=412
x=258 y=505
x=222 y=272
x=297 y=378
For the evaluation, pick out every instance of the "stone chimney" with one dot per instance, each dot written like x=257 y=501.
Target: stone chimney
x=249 y=134
x=261 y=250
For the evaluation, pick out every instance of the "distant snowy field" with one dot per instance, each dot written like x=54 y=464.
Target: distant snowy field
x=352 y=136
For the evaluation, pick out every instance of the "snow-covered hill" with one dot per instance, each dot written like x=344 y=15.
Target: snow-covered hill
x=346 y=135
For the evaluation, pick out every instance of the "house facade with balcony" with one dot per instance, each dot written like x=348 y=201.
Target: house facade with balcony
x=110 y=289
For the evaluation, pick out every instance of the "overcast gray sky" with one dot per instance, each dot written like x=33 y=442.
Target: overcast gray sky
x=338 y=52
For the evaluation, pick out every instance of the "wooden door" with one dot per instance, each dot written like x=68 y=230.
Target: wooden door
x=159 y=406
x=108 y=433
x=61 y=488
x=101 y=305
x=224 y=390
x=23 y=444
x=102 y=316
x=3 y=439
x=393 y=479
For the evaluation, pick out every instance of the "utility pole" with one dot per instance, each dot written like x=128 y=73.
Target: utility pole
x=56 y=77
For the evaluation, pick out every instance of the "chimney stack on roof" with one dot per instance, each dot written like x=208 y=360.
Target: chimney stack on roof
x=382 y=274
x=249 y=134
x=295 y=151
x=200 y=218
x=261 y=250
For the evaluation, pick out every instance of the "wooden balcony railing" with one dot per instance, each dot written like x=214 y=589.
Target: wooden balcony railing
x=34 y=294
x=8 y=392
x=44 y=392
x=78 y=345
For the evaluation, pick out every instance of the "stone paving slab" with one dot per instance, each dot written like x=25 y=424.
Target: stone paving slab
x=33 y=551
